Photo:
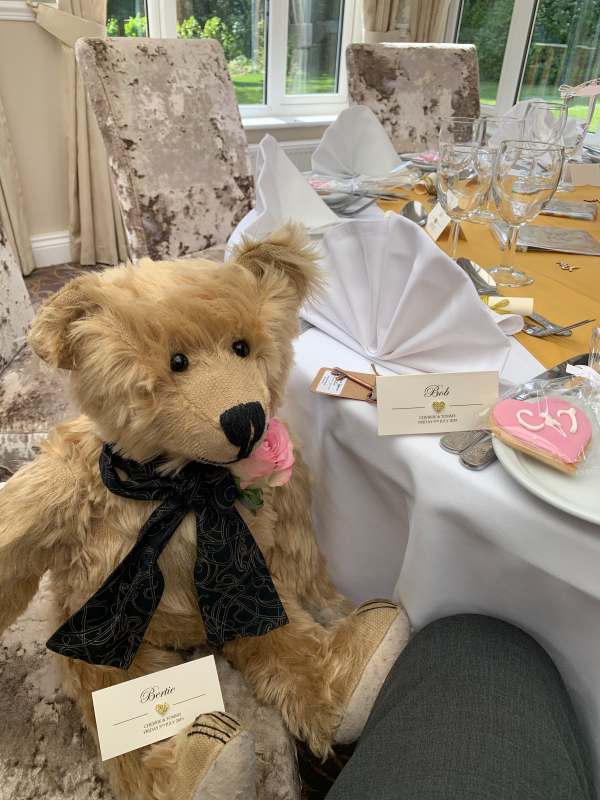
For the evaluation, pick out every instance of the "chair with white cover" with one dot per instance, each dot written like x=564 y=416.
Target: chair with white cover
x=177 y=151
x=411 y=87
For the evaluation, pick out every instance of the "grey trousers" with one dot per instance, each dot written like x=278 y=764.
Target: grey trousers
x=473 y=709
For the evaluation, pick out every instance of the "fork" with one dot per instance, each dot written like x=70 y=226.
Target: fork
x=545 y=323
x=540 y=331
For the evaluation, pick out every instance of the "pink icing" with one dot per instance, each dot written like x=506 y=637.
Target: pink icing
x=566 y=446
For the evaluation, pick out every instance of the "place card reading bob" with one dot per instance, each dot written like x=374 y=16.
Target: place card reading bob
x=152 y=708
x=434 y=402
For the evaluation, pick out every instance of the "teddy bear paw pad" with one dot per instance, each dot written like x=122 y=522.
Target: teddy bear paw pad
x=384 y=628
x=216 y=760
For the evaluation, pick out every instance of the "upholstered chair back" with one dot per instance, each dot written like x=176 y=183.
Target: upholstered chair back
x=410 y=87
x=174 y=138
x=16 y=311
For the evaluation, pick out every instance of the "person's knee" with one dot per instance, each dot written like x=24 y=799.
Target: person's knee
x=480 y=640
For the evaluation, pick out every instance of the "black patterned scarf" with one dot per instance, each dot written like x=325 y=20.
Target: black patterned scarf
x=235 y=592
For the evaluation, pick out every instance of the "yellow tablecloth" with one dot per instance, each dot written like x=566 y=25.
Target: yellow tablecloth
x=564 y=297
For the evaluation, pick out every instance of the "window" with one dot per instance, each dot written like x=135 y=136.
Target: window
x=528 y=48
x=285 y=57
x=127 y=18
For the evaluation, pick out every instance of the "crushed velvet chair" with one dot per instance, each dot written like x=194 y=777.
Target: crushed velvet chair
x=411 y=87
x=174 y=138
x=31 y=401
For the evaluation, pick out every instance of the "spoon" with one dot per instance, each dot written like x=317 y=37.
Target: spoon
x=415 y=212
x=481 y=279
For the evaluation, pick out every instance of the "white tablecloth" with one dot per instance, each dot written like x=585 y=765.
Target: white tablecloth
x=398 y=516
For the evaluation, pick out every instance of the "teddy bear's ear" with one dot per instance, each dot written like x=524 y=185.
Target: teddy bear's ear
x=288 y=252
x=49 y=336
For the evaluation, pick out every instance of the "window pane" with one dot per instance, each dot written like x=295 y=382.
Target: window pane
x=127 y=18
x=239 y=25
x=564 y=49
x=314 y=38
x=486 y=25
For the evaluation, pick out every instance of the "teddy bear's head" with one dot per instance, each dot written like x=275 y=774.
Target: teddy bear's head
x=185 y=359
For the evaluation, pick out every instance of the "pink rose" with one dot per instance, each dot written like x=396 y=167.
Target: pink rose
x=271 y=462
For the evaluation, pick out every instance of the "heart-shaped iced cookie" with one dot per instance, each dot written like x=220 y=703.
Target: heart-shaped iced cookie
x=547 y=427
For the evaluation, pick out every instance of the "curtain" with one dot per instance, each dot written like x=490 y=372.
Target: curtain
x=300 y=39
x=12 y=215
x=95 y=224
x=384 y=20
x=428 y=20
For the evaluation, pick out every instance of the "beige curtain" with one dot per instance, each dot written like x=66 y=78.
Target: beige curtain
x=428 y=20
x=97 y=232
x=12 y=215
x=385 y=20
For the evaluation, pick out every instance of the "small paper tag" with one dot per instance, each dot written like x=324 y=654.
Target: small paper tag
x=435 y=402
x=327 y=382
x=509 y=305
x=330 y=383
x=152 y=708
x=437 y=222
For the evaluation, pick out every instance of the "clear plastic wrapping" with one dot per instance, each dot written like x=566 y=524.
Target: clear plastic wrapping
x=555 y=421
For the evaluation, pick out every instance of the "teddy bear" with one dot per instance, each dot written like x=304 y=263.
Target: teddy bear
x=135 y=511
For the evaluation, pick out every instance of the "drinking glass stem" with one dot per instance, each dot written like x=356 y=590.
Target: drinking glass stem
x=454 y=231
x=594 y=357
x=507 y=253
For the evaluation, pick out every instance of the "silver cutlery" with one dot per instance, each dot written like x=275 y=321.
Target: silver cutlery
x=350 y=211
x=361 y=193
x=415 y=212
x=481 y=279
x=540 y=331
x=545 y=323
x=474 y=448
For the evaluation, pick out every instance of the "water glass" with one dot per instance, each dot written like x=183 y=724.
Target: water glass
x=461 y=130
x=526 y=175
x=463 y=180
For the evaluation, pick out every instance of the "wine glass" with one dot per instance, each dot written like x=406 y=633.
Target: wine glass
x=545 y=121
x=525 y=178
x=464 y=175
x=461 y=130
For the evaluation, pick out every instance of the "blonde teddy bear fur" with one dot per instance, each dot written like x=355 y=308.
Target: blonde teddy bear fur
x=116 y=332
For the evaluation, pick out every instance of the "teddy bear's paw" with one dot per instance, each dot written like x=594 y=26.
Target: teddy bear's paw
x=216 y=760
x=384 y=628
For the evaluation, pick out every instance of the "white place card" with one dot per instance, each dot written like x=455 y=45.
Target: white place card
x=434 y=402
x=437 y=222
x=148 y=709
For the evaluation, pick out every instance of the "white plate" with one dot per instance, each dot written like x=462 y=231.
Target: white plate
x=576 y=494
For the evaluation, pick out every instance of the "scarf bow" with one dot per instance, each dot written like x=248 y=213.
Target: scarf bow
x=234 y=589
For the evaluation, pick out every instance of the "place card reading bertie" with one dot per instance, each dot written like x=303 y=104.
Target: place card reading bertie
x=435 y=402
x=148 y=709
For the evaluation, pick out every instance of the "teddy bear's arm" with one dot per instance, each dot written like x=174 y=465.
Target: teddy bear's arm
x=35 y=507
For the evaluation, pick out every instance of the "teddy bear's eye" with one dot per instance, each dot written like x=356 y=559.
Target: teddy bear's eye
x=241 y=348
x=179 y=362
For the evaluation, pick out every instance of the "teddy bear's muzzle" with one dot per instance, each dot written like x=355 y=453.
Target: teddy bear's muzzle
x=243 y=425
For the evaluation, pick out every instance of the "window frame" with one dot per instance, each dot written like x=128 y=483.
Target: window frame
x=162 y=23
x=516 y=53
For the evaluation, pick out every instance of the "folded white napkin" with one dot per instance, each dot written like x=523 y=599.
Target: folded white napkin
x=355 y=145
x=282 y=194
x=395 y=297
x=538 y=128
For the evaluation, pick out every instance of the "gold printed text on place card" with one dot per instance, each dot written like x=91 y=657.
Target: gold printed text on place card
x=435 y=402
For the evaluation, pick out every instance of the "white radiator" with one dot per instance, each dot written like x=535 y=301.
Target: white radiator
x=298 y=152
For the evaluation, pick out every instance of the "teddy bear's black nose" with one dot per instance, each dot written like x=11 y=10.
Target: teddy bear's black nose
x=243 y=426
